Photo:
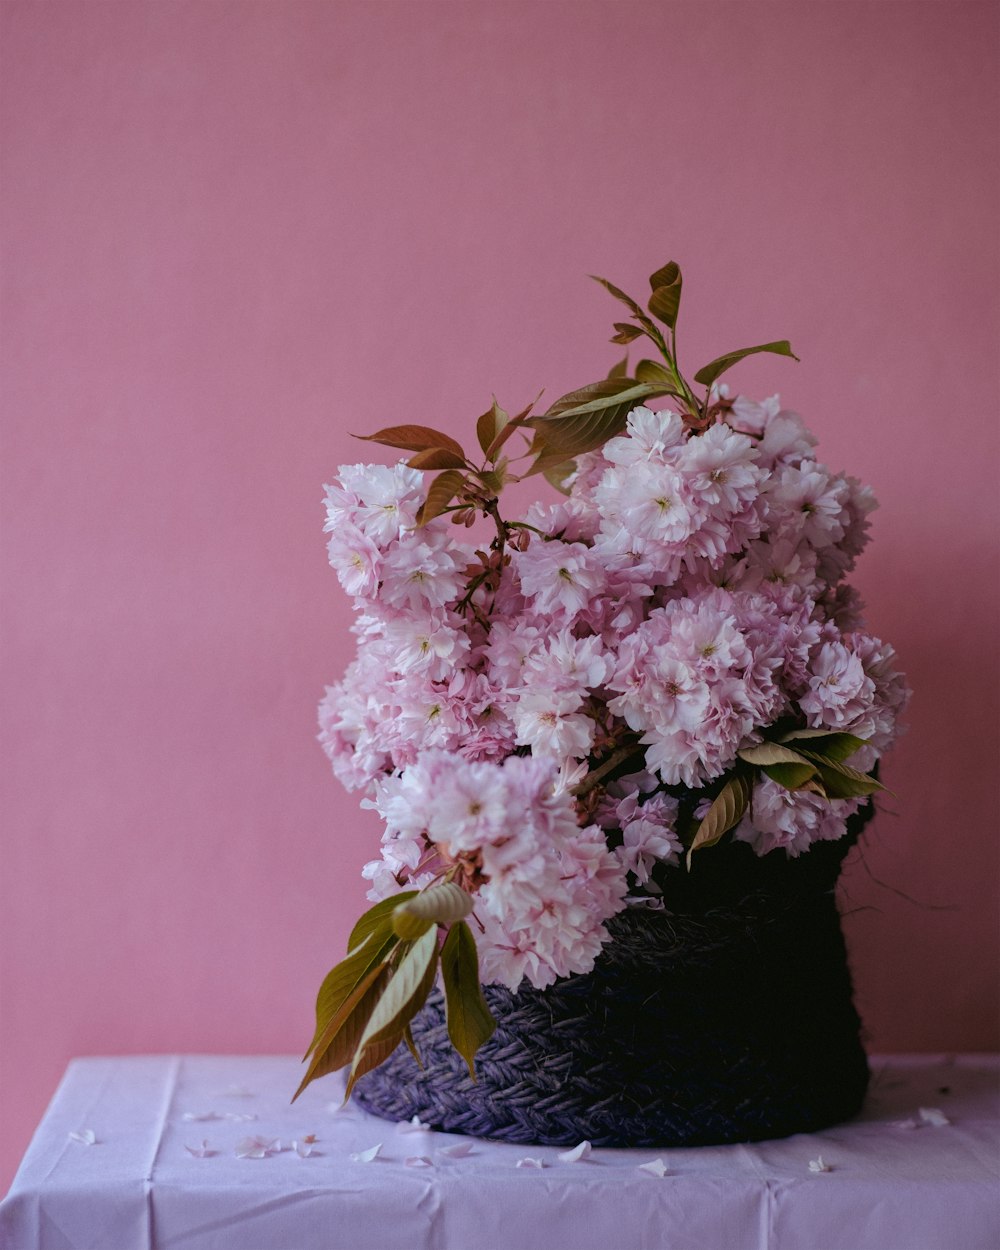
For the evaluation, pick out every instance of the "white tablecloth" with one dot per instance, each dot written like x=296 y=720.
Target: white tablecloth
x=897 y=1179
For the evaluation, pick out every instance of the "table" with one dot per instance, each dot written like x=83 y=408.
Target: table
x=205 y=1153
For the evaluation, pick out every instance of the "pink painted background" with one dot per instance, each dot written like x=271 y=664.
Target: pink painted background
x=234 y=231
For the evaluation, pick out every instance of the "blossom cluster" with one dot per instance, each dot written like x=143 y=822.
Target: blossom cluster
x=542 y=722
x=544 y=885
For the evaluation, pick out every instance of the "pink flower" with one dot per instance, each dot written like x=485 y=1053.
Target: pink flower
x=559 y=578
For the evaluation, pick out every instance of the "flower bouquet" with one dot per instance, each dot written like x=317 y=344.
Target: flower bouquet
x=621 y=745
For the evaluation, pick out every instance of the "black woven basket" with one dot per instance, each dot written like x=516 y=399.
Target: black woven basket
x=729 y=1018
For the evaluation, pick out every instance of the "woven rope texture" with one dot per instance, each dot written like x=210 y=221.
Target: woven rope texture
x=729 y=1018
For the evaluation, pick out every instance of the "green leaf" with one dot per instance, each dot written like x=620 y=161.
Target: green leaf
x=619 y=370
x=793 y=776
x=783 y=765
x=338 y=1042
x=595 y=397
x=707 y=375
x=489 y=426
x=439 y=904
x=725 y=813
x=832 y=744
x=493 y=479
x=342 y=980
x=547 y=459
x=411 y=1046
x=403 y=997
x=442 y=491
x=370 y=1058
x=840 y=781
x=470 y=1022
x=513 y=425
x=627 y=332
x=637 y=311
x=375 y=917
x=414 y=438
x=556 y=474
x=770 y=753
x=654 y=374
x=666 y=297
x=436 y=458
x=587 y=418
x=666 y=275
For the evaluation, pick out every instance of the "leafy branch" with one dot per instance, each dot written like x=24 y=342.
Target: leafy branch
x=800 y=759
x=582 y=420
x=367 y=1002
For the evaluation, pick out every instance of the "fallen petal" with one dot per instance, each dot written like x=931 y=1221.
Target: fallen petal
x=656 y=1167
x=910 y=1123
x=932 y=1115
x=310 y=1138
x=529 y=1163
x=303 y=1148
x=201 y=1115
x=577 y=1153
x=200 y=1152
x=458 y=1151
x=257 y=1147
x=239 y=1117
x=86 y=1137
x=417 y=1161
x=817 y=1165
x=366 y=1156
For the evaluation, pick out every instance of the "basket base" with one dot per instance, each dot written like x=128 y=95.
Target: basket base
x=660 y=1045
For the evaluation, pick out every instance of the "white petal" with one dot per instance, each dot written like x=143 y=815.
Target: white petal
x=239 y=1117
x=366 y=1156
x=415 y=1125
x=86 y=1137
x=933 y=1115
x=257 y=1147
x=910 y=1123
x=577 y=1153
x=418 y=1161
x=303 y=1148
x=200 y=1152
x=655 y=1167
x=817 y=1165
x=458 y=1151
x=201 y=1115
x=529 y=1163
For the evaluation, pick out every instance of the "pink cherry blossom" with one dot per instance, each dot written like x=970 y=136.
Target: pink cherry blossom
x=686 y=600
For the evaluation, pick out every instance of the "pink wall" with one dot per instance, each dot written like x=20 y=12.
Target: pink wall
x=235 y=231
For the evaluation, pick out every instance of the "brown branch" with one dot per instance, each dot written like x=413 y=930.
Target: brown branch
x=602 y=770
